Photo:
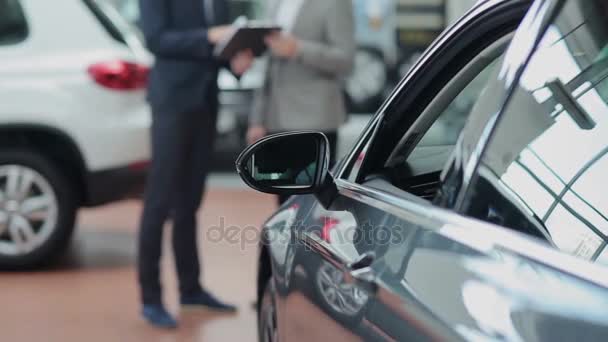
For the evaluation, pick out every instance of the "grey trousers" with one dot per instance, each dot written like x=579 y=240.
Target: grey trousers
x=182 y=147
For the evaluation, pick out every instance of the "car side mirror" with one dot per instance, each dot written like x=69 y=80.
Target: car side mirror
x=286 y=163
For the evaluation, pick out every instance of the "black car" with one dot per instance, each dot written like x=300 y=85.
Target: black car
x=454 y=219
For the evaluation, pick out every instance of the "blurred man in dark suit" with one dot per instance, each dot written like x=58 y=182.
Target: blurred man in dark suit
x=183 y=94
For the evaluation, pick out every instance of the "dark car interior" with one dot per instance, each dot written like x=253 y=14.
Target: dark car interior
x=415 y=164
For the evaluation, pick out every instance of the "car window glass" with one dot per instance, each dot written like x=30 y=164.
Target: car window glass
x=416 y=169
x=545 y=166
x=446 y=129
x=13 y=26
x=109 y=22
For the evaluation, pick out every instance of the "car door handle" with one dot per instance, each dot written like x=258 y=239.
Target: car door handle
x=363 y=261
x=362 y=274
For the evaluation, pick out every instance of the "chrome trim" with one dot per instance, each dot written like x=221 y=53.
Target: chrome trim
x=473 y=233
x=392 y=204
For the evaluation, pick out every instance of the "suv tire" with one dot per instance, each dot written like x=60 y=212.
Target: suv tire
x=37 y=207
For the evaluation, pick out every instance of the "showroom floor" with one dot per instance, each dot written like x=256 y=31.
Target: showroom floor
x=92 y=294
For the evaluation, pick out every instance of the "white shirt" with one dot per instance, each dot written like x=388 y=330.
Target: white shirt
x=287 y=13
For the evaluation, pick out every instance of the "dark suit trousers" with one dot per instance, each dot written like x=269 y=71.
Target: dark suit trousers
x=182 y=145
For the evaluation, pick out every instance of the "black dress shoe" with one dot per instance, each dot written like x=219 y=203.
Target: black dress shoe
x=204 y=300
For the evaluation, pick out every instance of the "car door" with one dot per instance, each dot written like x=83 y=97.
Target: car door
x=455 y=279
x=336 y=287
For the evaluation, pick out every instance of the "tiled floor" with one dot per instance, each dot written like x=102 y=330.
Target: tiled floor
x=92 y=295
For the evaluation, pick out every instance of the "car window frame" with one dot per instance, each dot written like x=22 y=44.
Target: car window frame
x=26 y=27
x=426 y=70
x=106 y=21
x=428 y=118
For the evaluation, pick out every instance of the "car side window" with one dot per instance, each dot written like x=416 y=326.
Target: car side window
x=544 y=170
x=446 y=129
x=13 y=26
x=418 y=160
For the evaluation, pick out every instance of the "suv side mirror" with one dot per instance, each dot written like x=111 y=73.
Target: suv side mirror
x=286 y=163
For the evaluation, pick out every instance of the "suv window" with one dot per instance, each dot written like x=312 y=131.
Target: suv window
x=13 y=26
x=544 y=170
x=105 y=20
x=446 y=129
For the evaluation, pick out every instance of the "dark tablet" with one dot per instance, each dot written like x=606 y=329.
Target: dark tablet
x=246 y=37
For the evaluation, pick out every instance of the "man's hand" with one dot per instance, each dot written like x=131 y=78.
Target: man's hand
x=218 y=33
x=255 y=133
x=282 y=45
x=241 y=62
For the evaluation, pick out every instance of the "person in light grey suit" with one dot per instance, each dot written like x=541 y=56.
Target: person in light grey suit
x=308 y=62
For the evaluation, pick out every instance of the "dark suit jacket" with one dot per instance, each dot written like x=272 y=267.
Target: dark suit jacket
x=184 y=77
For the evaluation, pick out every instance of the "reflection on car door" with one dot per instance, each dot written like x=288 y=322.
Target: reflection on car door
x=324 y=300
x=351 y=277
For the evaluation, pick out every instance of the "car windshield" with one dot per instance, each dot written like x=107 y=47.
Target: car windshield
x=545 y=165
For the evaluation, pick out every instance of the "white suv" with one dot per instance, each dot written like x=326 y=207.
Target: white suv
x=73 y=120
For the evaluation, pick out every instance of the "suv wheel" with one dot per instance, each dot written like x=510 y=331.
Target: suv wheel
x=37 y=210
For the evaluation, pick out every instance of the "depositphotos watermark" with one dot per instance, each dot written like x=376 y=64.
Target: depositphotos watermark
x=299 y=233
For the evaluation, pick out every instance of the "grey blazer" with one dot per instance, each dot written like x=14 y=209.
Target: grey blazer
x=306 y=92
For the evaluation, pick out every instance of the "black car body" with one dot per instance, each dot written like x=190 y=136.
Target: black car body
x=454 y=219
